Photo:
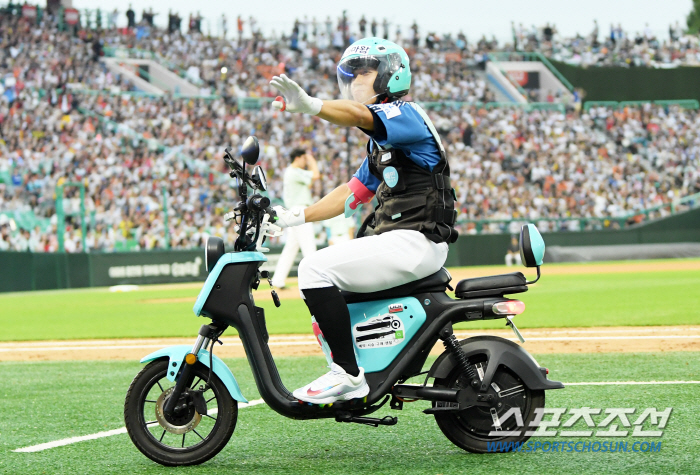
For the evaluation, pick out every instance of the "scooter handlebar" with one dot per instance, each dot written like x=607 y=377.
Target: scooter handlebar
x=258 y=203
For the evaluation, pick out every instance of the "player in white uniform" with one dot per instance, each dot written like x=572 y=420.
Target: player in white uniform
x=298 y=179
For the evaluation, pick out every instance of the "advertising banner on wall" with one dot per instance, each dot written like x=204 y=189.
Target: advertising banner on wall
x=147 y=267
x=526 y=79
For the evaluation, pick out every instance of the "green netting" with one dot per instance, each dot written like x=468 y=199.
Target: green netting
x=588 y=104
x=253 y=103
x=546 y=106
x=684 y=103
x=27 y=220
x=622 y=104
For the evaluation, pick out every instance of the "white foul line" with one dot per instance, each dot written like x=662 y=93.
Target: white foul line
x=623 y=383
x=109 y=433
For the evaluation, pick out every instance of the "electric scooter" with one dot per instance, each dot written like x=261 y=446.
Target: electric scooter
x=182 y=408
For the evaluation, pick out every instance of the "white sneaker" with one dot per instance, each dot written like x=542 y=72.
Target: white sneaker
x=336 y=385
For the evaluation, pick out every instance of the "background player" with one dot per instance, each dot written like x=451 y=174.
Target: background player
x=298 y=180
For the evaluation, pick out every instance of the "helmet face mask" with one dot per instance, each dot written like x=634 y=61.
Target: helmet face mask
x=355 y=89
x=393 y=77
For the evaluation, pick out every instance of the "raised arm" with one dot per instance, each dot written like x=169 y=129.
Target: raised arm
x=339 y=112
x=347 y=113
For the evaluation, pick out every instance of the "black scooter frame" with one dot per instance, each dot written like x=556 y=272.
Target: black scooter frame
x=231 y=302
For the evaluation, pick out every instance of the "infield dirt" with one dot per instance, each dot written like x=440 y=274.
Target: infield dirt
x=538 y=341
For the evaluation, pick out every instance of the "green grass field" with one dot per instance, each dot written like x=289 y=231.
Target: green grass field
x=634 y=298
x=47 y=401
x=43 y=402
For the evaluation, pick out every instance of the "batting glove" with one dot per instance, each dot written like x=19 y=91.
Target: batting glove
x=295 y=98
x=287 y=218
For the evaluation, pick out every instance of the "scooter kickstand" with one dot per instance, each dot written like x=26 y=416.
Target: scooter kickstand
x=344 y=416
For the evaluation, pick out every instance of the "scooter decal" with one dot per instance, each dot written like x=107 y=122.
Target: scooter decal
x=379 y=332
x=395 y=308
x=385 y=323
x=373 y=336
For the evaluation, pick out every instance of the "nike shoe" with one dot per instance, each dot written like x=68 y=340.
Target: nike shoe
x=336 y=385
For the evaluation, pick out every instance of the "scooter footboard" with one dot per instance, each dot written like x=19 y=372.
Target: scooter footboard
x=176 y=357
x=499 y=351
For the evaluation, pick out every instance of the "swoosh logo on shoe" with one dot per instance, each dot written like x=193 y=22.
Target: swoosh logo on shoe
x=316 y=392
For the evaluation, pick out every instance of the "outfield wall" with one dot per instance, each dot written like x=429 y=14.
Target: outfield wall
x=28 y=271
x=633 y=84
x=489 y=249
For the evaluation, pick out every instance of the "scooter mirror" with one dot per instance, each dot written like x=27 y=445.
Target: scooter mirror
x=250 y=150
x=531 y=246
x=259 y=179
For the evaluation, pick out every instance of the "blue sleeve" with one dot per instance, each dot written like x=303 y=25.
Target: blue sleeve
x=398 y=124
x=365 y=176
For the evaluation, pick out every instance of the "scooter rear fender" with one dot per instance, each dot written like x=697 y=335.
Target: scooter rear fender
x=176 y=356
x=499 y=352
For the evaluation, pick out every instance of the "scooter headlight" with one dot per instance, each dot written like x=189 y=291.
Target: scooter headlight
x=213 y=250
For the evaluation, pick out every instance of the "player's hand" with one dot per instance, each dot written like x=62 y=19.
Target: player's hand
x=288 y=218
x=295 y=98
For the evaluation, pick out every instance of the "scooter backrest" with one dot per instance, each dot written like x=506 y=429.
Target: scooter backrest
x=531 y=246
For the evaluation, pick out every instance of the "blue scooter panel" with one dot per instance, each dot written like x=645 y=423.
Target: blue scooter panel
x=176 y=355
x=382 y=328
x=226 y=259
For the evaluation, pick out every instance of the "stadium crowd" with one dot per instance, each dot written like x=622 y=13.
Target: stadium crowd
x=131 y=151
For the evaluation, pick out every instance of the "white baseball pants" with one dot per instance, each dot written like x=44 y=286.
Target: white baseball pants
x=373 y=263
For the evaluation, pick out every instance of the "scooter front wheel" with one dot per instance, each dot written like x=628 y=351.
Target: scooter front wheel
x=184 y=437
x=474 y=428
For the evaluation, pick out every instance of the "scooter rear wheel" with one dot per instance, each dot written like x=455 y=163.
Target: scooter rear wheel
x=184 y=437
x=470 y=428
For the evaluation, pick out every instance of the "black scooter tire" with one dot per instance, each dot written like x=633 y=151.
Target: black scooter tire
x=454 y=429
x=135 y=426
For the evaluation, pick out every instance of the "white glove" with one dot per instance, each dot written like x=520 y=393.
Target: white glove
x=267 y=229
x=287 y=218
x=296 y=99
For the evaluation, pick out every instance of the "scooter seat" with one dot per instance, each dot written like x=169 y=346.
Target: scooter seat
x=491 y=285
x=436 y=282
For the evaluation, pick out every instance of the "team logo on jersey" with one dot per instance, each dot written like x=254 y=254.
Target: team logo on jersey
x=391 y=176
x=390 y=110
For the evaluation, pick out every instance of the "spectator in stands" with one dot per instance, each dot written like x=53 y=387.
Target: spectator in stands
x=598 y=165
x=130 y=17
